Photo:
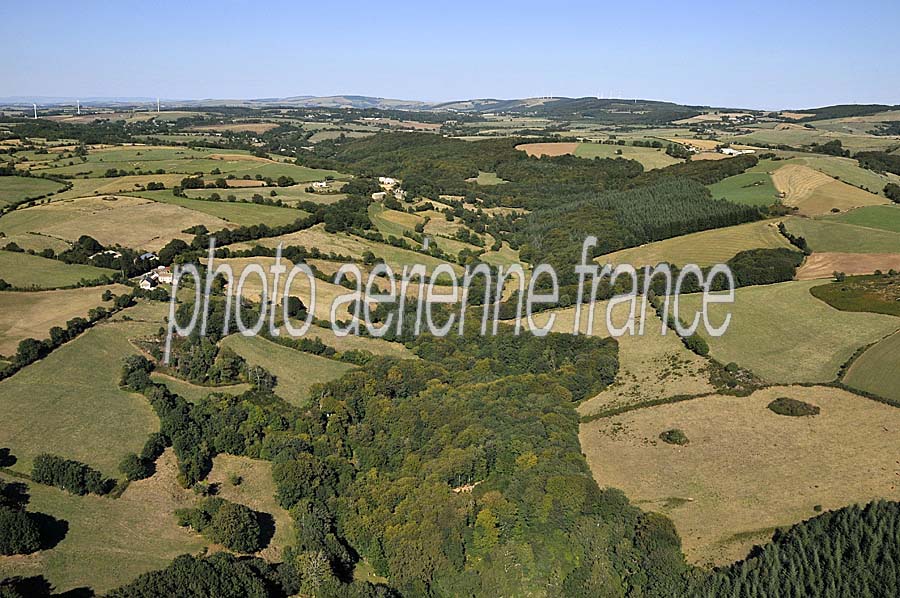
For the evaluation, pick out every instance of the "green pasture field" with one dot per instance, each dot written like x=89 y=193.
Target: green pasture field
x=704 y=248
x=875 y=294
x=750 y=188
x=488 y=178
x=244 y=214
x=881 y=217
x=195 y=392
x=876 y=370
x=110 y=541
x=70 y=404
x=649 y=157
x=295 y=371
x=18 y=189
x=785 y=335
x=292 y=194
x=833 y=235
x=23 y=270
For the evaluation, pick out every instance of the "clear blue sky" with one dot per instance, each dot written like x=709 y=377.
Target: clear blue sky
x=748 y=54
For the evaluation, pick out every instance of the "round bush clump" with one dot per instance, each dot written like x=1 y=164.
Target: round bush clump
x=792 y=407
x=674 y=436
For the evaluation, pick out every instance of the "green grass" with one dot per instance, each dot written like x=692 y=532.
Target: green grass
x=704 y=248
x=875 y=294
x=19 y=189
x=648 y=156
x=195 y=392
x=876 y=370
x=830 y=235
x=70 y=403
x=26 y=271
x=784 y=334
x=108 y=542
x=392 y=222
x=750 y=188
x=294 y=193
x=488 y=178
x=183 y=161
x=296 y=371
x=245 y=214
x=881 y=217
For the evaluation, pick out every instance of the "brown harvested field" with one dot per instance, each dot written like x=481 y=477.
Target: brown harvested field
x=32 y=314
x=237 y=127
x=701 y=144
x=548 y=149
x=112 y=220
x=794 y=115
x=257 y=491
x=746 y=470
x=814 y=193
x=823 y=265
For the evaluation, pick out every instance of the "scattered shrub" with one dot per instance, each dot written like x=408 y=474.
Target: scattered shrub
x=674 y=436
x=792 y=407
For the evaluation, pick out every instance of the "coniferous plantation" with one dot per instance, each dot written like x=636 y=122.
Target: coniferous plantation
x=222 y=366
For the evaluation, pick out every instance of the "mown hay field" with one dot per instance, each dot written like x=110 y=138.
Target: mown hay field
x=649 y=157
x=745 y=470
x=878 y=369
x=816 y=193
x=704 y=248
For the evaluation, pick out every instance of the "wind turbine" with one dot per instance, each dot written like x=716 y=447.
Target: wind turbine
x=78 y=107
x=157 y=105
x=35 y=111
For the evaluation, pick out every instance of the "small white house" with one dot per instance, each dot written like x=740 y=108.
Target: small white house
x=387 y=181
x=148 y=282
x=163 y=274
x=320 y=185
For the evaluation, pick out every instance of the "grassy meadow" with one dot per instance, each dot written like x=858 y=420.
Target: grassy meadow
x=779 y=332
x=70 y=404
x=23 y=270
x=745 y=470
x=18 y=189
